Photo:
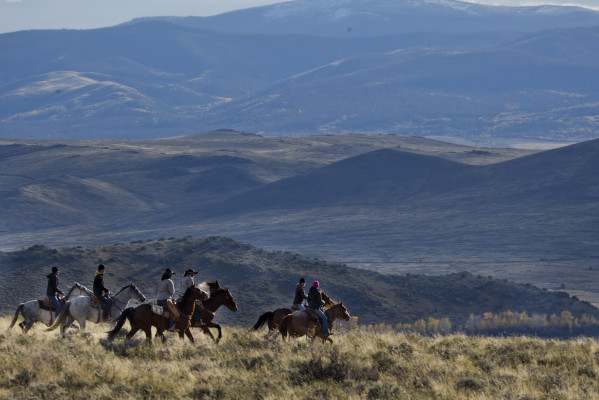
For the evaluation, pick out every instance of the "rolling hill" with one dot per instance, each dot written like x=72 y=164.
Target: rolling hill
x=388 y=203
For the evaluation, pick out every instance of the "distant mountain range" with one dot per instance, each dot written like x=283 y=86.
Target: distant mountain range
x=464 y=72
x=384 y=202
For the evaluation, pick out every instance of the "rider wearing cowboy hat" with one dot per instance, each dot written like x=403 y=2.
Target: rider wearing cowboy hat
x=187 y=280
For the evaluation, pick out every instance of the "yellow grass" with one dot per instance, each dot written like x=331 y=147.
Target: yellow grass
x=360 y=365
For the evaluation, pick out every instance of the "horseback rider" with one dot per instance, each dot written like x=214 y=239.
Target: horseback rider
x=101 y=292
x=165 y=292
x=300 y=295
x=187 y=281
x=53 y=289
x=315 y=301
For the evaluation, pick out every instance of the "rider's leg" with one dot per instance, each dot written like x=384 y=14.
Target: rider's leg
x=107 y=306
x=54 y=301
x=324 y=322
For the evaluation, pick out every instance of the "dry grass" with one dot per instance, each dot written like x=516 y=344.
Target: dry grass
x=360 y=365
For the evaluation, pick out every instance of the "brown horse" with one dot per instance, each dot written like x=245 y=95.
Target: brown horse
x=301 y=322
x=204 y=316
x=274 y=318
x=142 y=317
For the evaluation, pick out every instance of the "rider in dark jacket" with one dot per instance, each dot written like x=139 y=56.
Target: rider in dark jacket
x=315 y=301
x=53 y=289
x=300 y=295
x=101 y=292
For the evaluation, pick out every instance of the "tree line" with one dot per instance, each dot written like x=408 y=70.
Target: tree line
x=505 y=323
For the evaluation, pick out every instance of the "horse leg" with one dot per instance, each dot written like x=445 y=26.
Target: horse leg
x=28 y=324
x=220 y=333
x=189 y=335
x=206 y=330
x=132 y=332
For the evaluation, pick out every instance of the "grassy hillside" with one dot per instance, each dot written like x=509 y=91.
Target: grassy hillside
x=360 y=365
x=262 y=280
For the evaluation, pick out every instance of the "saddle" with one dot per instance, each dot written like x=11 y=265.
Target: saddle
x=48 y=305
x=313 y=316
x=173 y=311
x=95 y=302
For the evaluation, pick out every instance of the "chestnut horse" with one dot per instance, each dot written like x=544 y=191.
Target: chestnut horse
x=204 y=316
x=274 y=318
x=142 y=317
x=300 y=323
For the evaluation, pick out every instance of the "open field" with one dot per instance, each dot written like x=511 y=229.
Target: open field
x=360 y=365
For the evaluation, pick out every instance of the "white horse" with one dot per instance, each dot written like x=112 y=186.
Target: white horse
x=81 y=309
x=33 y=312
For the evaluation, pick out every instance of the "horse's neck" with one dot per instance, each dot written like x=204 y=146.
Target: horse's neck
x=331 y=314
x=213 y=303
x=122 y=297
x=188 y=305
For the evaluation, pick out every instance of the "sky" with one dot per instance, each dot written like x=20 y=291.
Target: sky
x=16 y=15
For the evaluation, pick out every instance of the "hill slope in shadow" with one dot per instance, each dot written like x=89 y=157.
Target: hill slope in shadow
x=263 y=280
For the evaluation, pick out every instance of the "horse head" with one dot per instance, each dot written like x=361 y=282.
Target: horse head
x=230 y=301
x=195 y=293
x=338 y=310
x=138 y=294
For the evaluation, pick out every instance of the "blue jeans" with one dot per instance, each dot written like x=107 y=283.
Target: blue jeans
x=324 y=321
x=107 y=305
x=54 y=301
x=300 y=307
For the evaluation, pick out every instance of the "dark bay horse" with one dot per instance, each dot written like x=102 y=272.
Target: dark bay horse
x=274 y=318
x=205 y=319
x=300 y=323
x=142 y=317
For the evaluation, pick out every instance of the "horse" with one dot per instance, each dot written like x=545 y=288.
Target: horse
x=204 y=320
x=300 y=323
x=142 y=317
x=274 y=318
x=32 y=311
x=81 y=309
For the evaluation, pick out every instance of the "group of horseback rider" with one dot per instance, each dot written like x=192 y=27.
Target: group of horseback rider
x=315 y=302
x=100 y=290
x=164 y=292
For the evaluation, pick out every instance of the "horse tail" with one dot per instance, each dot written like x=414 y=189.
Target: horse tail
x=126 y=314
x=19 y=308
x=284 y=327
x=264 y=318
x=61 y=317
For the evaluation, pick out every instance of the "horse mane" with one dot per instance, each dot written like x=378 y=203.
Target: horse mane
x=80 y=287
x=209 y=286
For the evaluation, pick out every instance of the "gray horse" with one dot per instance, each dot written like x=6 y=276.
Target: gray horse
x=81 y=309
x=32 y=312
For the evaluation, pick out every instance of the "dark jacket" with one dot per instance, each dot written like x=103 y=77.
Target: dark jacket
x=99 y=288
x=52 y=285
x=315 y=300
x=300 y=295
